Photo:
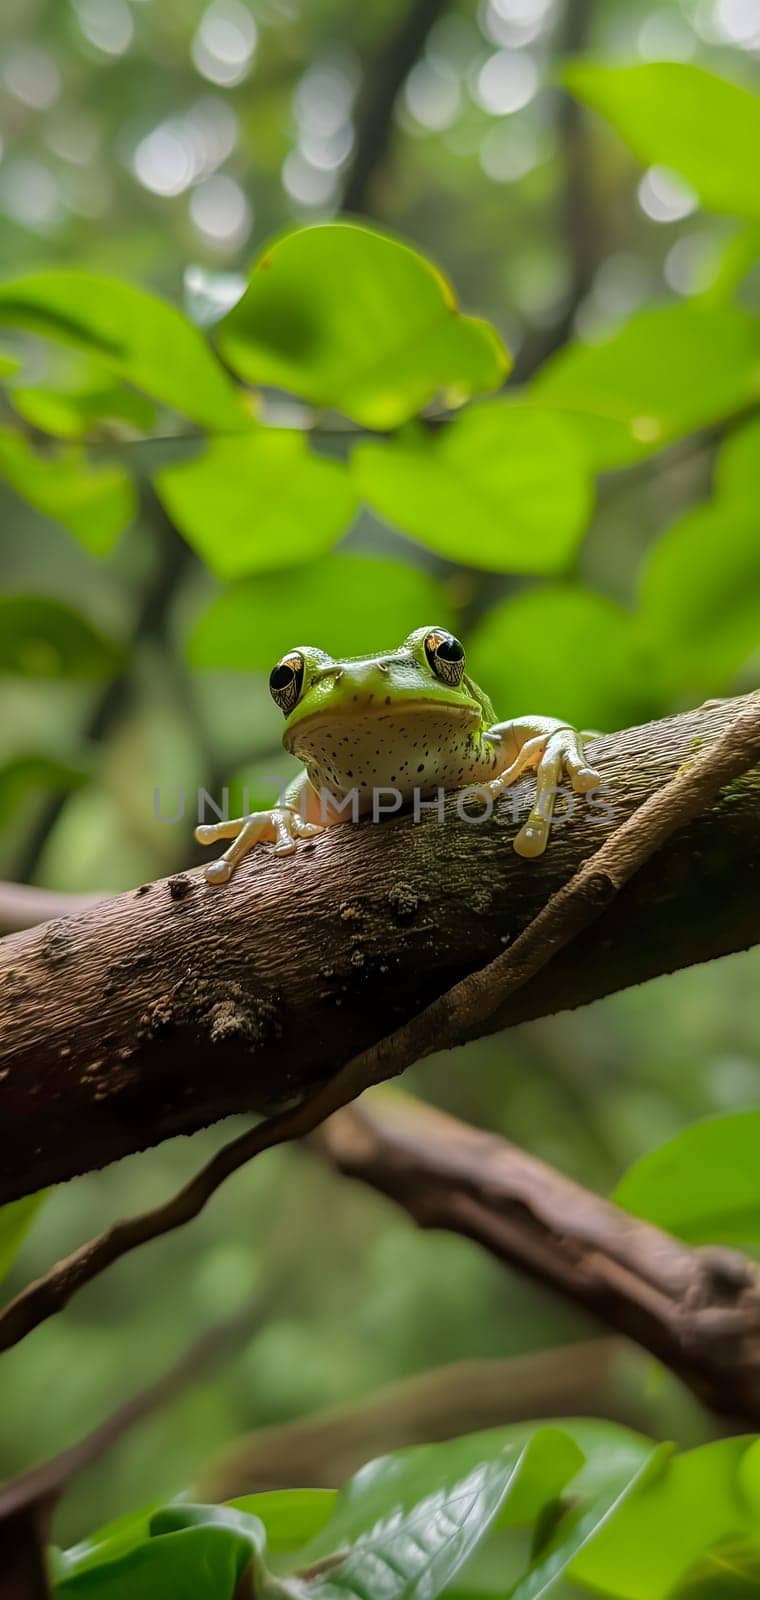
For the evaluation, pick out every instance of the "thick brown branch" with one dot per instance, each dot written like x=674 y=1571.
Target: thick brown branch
x=167 y=1008
x=446 y=1020
x=698 y=1311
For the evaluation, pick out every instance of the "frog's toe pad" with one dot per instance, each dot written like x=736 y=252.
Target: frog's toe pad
x=286 y=847
x=585 y=779
x=207 y=833
x=533 y=838
x=217 y=871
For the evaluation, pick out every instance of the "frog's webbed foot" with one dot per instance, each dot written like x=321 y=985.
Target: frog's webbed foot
x=282 y=825
x=556 y=753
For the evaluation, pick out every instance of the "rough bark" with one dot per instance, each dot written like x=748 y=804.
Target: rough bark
x=176 y=1004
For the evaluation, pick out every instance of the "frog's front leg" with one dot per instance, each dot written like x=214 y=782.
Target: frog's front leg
x=554 y=749
x=284 y=825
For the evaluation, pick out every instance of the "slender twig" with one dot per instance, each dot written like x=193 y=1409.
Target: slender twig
x=384 y=79
x=22 y=906
x=596 y=1378
x=441 y=1024
x=114 y=698
x=221 y=1340
x=579 y=223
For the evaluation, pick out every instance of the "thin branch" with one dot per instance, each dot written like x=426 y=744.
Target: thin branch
x=441 y=1024
x=384 y=78
x=596 y=1378
x=114 y=698
x=698 y=1311
x=23 y=906
x=579 y=224
x=44 y=1484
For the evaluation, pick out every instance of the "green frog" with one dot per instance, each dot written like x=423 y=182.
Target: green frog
x=374 y=732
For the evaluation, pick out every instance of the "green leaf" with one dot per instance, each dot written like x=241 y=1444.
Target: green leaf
x=702 y=1185
x=703 y=127
x=413 y=1519
x=257 y=502
x=730 y=1572
x=291 y=1516
x=74 y=414
x=700 y=586
x=195 y=1563
x=737 y=472
x=96 y=504
x=346 y=317
x=31 y=774
x=669 y=370
x=503 y=487
x=110 y=1542
x=350 y=604
x=700 y=597
x=8 y=364
x=392 y=1488
x=133 y=333
x=672 y=1520
x=15 y=1221
x=582 y=1528
x=565 y=650
x=185 y=1514
x=193 y=1551
x=41 y=638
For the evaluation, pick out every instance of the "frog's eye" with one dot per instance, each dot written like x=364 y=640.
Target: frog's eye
x=286 y=681
x=446 y=656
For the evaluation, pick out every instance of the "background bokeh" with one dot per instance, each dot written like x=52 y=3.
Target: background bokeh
x=164 y=143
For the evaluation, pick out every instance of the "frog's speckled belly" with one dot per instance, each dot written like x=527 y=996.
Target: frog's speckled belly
x=406 y=750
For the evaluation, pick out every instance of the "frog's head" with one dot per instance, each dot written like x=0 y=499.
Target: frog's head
x=362 y=720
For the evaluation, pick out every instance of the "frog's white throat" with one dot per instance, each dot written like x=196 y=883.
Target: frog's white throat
x=416 y=747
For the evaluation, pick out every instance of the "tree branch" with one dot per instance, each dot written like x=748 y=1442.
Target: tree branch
x=114 y=698
x=384 y=78
x=24 y=906
x=454 y=1015
x=698 y=1311
x=166 y=1008
x=593 y=1379
x=579 y=223
x=27 y=1502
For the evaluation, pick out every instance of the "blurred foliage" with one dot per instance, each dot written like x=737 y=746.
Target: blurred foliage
x=618 y=1514
x=167 y=531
